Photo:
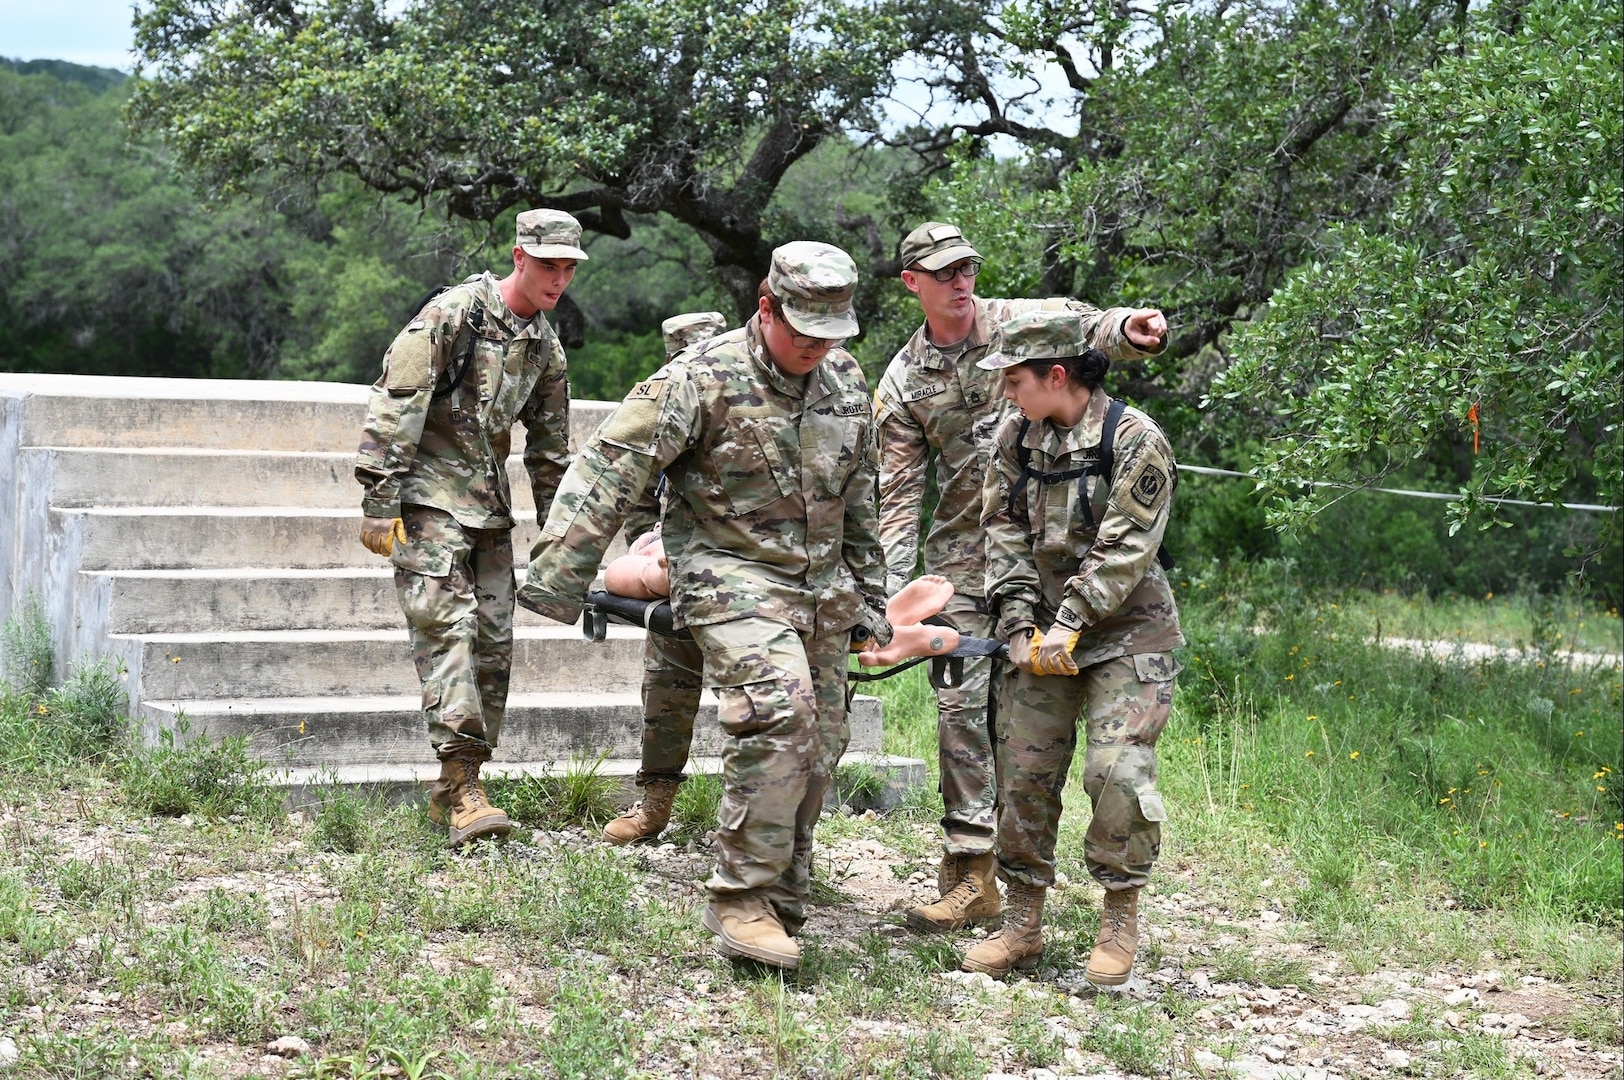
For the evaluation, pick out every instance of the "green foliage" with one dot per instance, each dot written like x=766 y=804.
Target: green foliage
x=343 y=820
x=87 y=712
x=581 y=794
x=693 y=813
x=695 y=107
x=1213 y=143
x=26 y=649
x=587 y=1039
x=198 y=776
x=1493 y=284
x=1489 y=781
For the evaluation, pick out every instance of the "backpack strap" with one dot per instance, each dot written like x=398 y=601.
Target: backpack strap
x=476 y=322
x=1102 y=466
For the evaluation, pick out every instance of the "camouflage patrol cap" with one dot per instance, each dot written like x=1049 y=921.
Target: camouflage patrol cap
x=814 y=283
x=1038 y=335
x=681 y=331
x=549 y=234
x=935 y=244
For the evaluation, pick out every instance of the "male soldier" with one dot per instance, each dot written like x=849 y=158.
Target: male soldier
x=934 y=401
x=671 y=667
x=433 y=463
x=766 y=439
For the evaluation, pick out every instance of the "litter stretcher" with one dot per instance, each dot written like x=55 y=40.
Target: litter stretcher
x=602 y=608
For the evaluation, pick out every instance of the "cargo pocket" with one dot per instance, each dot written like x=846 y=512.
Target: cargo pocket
x=428 y=558
x=1156 y=667
x=743 y=711
x=730 y=814
x=433 y=691
x=1151 y=806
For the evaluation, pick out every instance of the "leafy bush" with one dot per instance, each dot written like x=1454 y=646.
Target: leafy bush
x=197 y=776
x=26 y=650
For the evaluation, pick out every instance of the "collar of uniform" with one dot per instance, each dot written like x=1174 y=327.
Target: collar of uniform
x=496 y=308
x=819 y=385
x=1089 y=428
x=931 y=357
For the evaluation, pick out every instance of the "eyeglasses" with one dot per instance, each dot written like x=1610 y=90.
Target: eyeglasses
x=970 y=268
x=807 y=344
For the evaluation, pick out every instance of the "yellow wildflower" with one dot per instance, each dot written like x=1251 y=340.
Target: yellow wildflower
x=1354 y=756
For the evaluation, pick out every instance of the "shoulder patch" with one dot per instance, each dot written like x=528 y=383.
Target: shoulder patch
x=634 y=423
x=1146 y=490
x=409 y=364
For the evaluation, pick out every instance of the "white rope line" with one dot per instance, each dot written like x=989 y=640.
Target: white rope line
x=1591 y=507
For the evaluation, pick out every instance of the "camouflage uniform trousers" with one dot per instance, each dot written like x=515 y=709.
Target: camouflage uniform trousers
x=964 y=737
x=781 y=700
x=672 y=671
x=1124 y=703
x=460 y=622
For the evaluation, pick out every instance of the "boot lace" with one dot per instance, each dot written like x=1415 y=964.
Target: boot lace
x=960 y=896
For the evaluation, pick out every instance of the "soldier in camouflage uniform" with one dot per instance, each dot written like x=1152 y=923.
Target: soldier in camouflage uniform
x=766 y=439
x=1076 y=589
x=671 y=666
x=935 y=402
x=433 y=466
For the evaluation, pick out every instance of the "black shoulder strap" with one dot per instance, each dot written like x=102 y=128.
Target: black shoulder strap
x=476 y=322
x=1023 y=458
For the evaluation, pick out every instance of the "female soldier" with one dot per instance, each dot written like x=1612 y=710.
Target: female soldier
x=1074 y=507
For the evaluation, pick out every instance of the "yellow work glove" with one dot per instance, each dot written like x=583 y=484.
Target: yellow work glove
x=1054 y=654
x=378 y=535
x=1023 y=649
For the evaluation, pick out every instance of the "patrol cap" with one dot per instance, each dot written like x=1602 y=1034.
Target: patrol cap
x=1038 y=335
x=681 y=331
x=549 y=234
x=814 y=283
x=935 y=244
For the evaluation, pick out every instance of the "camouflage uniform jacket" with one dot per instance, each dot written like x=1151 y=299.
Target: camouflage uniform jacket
x=1046 y=552
x=927 y=403
x=452 y=453
x=769 y=501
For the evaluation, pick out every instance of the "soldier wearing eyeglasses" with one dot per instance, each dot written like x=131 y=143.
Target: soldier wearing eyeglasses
x=935 y=405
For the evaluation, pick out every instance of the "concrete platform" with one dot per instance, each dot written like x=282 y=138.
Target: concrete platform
x=202 y=534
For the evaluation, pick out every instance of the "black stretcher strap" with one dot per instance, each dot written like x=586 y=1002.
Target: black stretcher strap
x=600 y=608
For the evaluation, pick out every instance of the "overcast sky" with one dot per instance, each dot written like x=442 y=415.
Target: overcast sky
x=84 y=31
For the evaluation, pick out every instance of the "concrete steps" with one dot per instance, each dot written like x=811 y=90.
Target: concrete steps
x=203 y=534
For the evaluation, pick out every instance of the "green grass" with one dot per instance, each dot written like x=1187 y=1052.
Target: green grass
x=1534 y=621
x=362 y=934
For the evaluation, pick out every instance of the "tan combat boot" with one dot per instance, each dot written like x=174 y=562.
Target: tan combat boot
x=745 y=925
x=458 y=802
x=1112 y=959
x=1020 y=943
x=969 y=895
x=648 y=818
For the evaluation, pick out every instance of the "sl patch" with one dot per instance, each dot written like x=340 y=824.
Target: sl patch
x=633 y=424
